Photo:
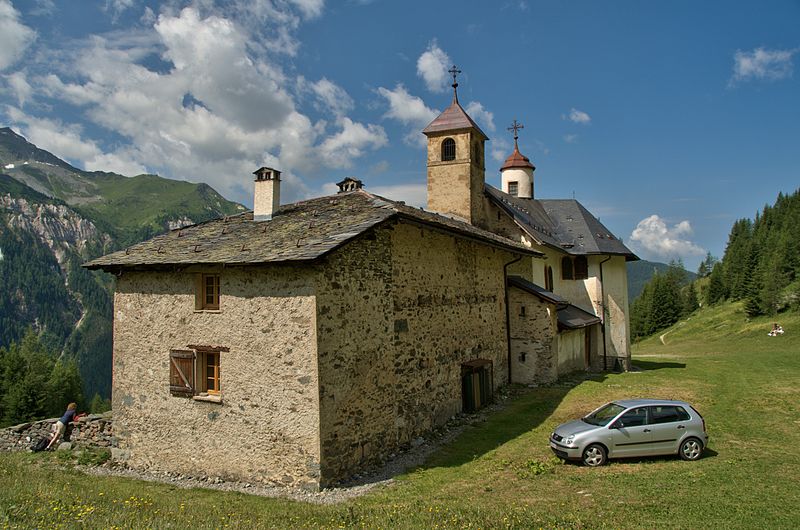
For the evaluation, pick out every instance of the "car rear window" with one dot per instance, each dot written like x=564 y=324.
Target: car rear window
x=667 y=414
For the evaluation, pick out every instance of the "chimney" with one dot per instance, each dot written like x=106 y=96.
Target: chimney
x=349 y=184
x=267 y=193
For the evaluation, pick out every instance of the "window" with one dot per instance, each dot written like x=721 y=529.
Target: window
x=448 y=150
x=633 y=418
x=667 y=414
x=566 y=268
x=581 y=268
x=196 y=372
x=522 y=310
x=207 y=292
x=513 y=188
x=548 y=278
x=211 y=372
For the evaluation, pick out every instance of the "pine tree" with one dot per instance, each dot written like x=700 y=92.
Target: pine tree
x=716 y=291
x=690 y=304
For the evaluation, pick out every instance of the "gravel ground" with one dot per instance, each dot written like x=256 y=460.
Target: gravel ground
x=378 y=477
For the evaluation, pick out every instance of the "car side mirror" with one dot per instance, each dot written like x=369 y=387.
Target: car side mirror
x=616 y=425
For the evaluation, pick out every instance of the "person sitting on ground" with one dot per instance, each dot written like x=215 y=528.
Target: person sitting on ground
x=61 y=425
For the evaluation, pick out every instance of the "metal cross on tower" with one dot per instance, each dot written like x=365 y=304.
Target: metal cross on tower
x=516 y=126
x=454 y=71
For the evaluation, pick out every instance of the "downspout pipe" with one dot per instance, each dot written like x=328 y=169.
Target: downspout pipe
x=508 y=313
x=603 y=313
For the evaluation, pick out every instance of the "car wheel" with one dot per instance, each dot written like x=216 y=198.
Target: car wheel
x=691 y=449
x=594 y=455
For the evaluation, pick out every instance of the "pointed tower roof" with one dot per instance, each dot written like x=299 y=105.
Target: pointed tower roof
x=454 y=117
x=517 y=159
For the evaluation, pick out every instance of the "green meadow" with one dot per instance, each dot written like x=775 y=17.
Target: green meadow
x=500 y=473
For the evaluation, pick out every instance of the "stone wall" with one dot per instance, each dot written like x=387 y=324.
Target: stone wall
x=266 y=426
x=397 y=316
x=93 y=430
x=456 y=187
x=533 y=329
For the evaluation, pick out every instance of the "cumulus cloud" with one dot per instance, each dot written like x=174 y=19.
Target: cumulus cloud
x=15 y=37
x=408 y=110
x=411 y=194
x=432 y=67
x=478 y=113
x=578 y=116
x=656 y=238
x=117 y=7
x=762 y=64
x=19 y=86
x=217 y=106
x=66 y=141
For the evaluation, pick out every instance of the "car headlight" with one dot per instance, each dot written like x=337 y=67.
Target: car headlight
x=569 y=440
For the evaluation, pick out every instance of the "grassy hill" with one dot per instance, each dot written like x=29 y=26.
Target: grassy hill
x=500 y=474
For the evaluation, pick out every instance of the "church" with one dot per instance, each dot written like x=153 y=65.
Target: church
x=299 y=343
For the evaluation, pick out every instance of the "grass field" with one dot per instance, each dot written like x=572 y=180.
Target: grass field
x=500 y=474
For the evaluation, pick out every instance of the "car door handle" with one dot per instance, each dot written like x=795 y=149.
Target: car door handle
x=681 y=427
x=647 y=430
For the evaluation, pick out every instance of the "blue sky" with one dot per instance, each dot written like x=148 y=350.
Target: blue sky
x=668 y=120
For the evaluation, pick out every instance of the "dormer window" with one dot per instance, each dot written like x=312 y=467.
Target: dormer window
x=513 y=188
x=448 y=150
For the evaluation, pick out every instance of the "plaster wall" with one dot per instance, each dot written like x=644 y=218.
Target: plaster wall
x=524 y=179
x=266 y=427
x=571 y=348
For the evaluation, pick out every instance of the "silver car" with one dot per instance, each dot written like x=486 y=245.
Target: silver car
x=632 y=427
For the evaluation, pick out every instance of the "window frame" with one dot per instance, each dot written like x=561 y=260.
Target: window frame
x=215 y=356
x=448 y=150
x=513 y=188
x=201 y=291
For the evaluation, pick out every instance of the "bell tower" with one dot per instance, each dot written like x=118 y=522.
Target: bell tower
x=456 y=171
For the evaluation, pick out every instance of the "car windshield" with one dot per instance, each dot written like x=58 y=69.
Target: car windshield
x=604 y=414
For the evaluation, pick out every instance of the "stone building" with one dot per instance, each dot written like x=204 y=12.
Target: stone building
x=298 y=343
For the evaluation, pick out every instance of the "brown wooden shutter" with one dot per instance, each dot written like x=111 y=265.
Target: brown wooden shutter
x=566 y=268
x=181 y=372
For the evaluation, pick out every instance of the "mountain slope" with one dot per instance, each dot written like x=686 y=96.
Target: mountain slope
x=53 y=217
x=640 y=272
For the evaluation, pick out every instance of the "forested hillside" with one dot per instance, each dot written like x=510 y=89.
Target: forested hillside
x=53 y=218
x=642 y=271
x=761 y=266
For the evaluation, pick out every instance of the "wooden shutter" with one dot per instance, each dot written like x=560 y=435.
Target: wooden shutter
x=566 y=268
x=181 y=372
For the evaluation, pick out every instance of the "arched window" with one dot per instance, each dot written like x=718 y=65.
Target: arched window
x=548 y=278
x=448 y=150
x=566 y=268
x=581 y=268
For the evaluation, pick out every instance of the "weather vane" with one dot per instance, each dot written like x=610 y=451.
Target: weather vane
x=516 y=126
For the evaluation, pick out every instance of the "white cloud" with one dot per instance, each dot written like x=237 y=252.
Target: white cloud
x=117 y=7
x=578 y=116
x=570 y=138
x=411 y=194
x=339 y=150
x=19 y=87
x=330 y=96
x=15 y=37
x=408 y=110
x=432 y=67
x=379 y=167
x=220 y=108
x=66 y=141
x=499 y=149
x=654 y=237
x=309 y=8
x=478 y=113
x=761 y=63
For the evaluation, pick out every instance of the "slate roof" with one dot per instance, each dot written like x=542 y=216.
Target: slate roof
x=561 y=223
x=301 y=231
x=573 y=317
x=453 y=118
x=541 y=292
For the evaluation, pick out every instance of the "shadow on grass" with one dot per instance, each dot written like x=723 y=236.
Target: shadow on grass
x=656 y=365
x=525 y=410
